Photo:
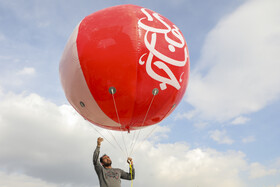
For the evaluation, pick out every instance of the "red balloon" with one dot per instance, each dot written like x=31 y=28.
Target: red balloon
x=125 y=67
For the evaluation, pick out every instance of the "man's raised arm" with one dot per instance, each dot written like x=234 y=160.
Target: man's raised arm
x=96 y=152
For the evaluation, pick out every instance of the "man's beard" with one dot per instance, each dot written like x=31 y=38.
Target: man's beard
x=107 y=164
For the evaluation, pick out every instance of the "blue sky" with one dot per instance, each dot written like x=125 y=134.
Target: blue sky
x=225 y=132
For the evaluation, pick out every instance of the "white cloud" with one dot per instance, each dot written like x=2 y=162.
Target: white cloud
x=37 y=139
x=240 y=120
x=257 y=171
x=239 y=69
x=177 y=164
x=201 y=125
x=221 y=137
x=27 y=71
x=249 y=139
x=186 y=115
x=11 y=79
x=15 y=179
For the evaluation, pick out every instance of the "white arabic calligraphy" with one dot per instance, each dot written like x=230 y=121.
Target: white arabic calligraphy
x=172 y=80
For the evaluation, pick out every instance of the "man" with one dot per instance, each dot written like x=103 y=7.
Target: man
x=108 y=176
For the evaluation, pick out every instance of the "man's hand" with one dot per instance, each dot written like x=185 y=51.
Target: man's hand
x=129 y=160
x=99 y=140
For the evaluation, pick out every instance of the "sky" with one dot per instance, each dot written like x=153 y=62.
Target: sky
x=225 y=131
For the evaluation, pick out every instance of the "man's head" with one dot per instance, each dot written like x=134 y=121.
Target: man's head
x=105 y=161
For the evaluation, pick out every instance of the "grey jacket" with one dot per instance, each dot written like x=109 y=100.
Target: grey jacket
x=109 y=177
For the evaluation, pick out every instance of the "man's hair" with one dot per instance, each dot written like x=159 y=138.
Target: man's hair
x=101 y=158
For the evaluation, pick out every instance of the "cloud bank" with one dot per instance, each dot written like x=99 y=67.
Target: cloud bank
x=238 y=72
x=43 y=144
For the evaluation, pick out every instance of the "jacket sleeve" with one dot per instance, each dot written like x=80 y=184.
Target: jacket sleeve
x=96 y=163
x=127 y=176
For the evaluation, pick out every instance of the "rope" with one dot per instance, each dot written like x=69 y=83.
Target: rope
x=132 y=142
x=101 y=135
x=116 y=109
x=115 y=105
x=150 y=133
x=116 y=141
x=109 y=132
x=156 y=126
x=142 y=125
x=130 y=168
x=124 y=144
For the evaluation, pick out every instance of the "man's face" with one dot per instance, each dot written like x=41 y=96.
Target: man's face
x=106 y=161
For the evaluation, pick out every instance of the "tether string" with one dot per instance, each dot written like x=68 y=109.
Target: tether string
x=116 y=141
x=102 y=135
x=92 y=126
x=150 y=133
x=116 y=109
x=115 y=105
x=109 y=132
x=133 y=143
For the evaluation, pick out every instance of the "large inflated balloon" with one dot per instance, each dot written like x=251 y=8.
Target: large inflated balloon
x=125 y=67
